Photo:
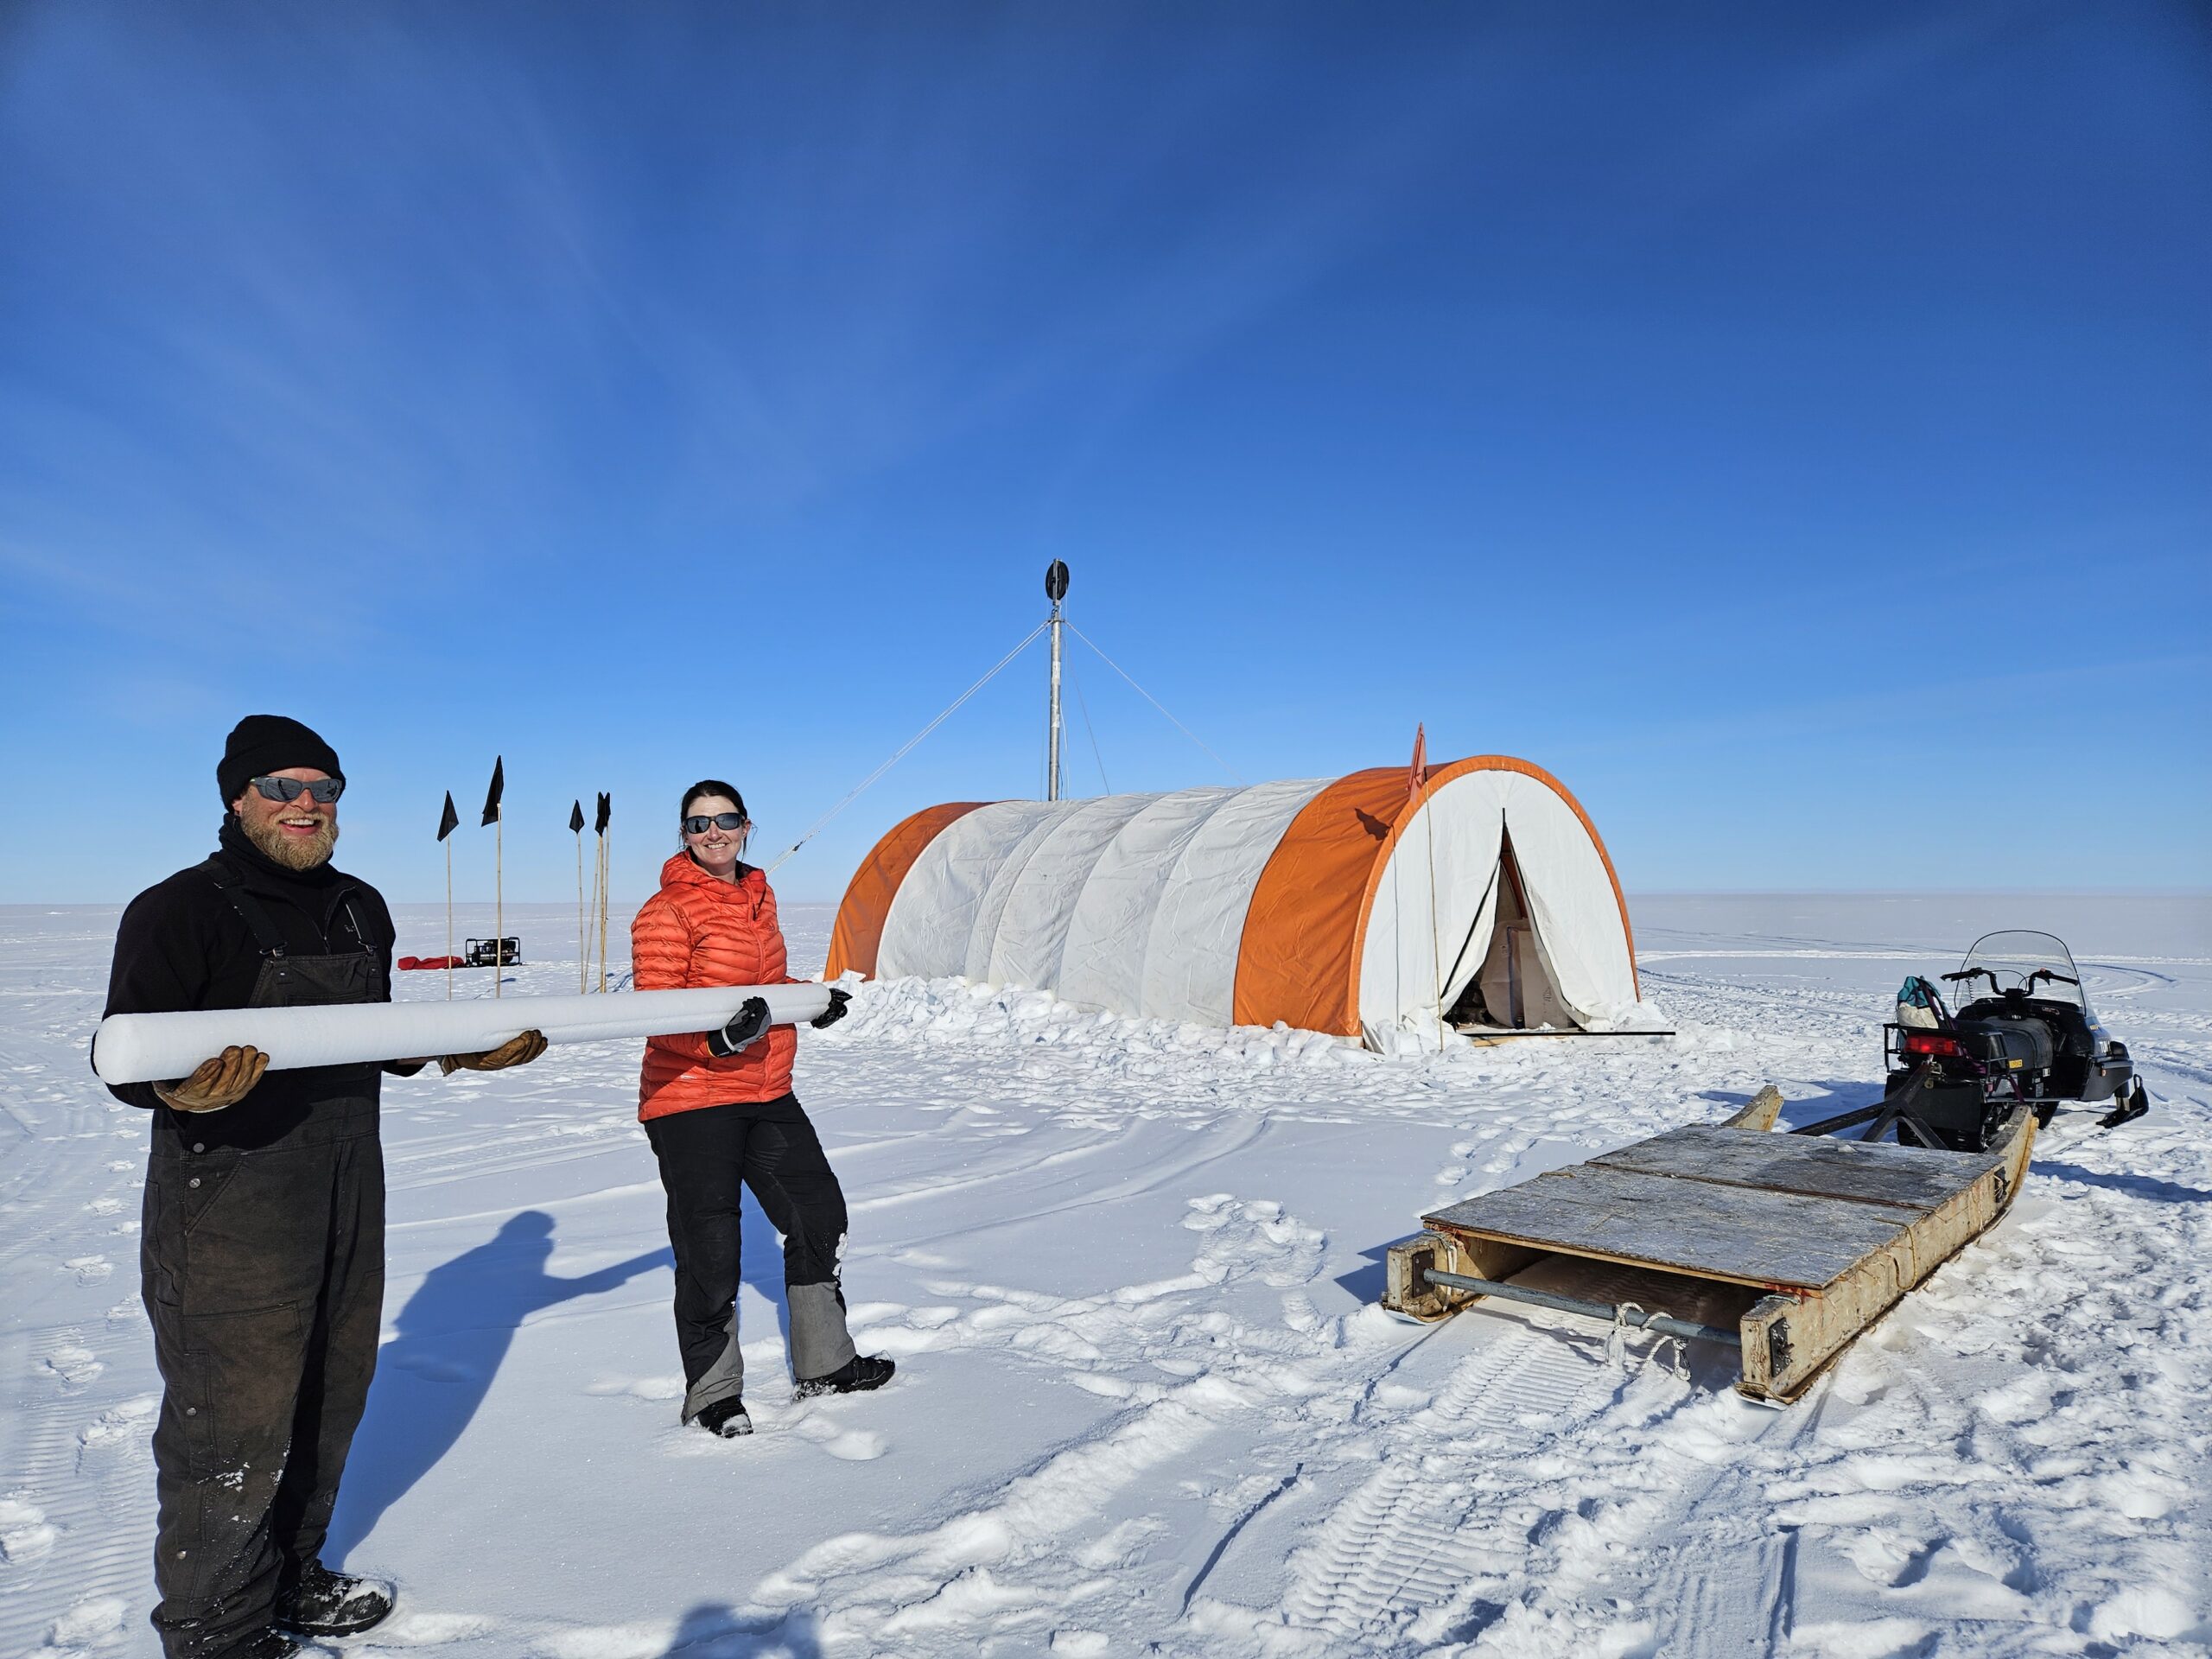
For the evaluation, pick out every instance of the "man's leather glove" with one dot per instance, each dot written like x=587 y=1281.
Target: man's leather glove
x=224 y=1081
x=835 y=1012
x=747 y=1026
x=516 y=1051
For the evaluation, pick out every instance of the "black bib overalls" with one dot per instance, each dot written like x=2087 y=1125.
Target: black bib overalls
x=263 y=1278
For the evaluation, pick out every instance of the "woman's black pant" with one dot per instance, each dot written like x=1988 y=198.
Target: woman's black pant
x=708 y=1157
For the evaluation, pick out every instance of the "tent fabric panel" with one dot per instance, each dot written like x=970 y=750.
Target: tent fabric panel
x=1300 y=957
x=1434 y=896
x=1197 y=929
x=983 y=936
x=1581 y=927
x=1032 y=929
x=1110 y=934
x=934 y=913
x=1598 y=844
x=858 y=933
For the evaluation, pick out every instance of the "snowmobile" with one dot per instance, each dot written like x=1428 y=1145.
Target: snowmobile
x=493 y=953
x=2023 y=1037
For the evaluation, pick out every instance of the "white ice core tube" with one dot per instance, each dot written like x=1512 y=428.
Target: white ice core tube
x=157 y=1047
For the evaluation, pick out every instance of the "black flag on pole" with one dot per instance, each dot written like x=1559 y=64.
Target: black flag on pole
x=576 y=817
x=606 y=812
x=498 y=788
x=449 y=820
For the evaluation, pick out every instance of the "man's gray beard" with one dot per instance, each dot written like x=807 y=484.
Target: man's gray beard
x=288 y=850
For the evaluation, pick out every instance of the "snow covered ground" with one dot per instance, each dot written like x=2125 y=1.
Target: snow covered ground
x=1146 y=1403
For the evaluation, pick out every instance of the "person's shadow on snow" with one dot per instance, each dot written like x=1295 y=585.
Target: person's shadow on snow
x=709 y=1631
x=453 y=1335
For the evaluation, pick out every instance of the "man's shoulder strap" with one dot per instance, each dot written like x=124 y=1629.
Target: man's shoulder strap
x=228 y=882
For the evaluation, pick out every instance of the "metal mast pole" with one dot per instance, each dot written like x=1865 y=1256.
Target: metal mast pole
x=1056 y=589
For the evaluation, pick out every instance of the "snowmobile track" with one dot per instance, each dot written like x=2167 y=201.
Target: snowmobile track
x=1398 y=1544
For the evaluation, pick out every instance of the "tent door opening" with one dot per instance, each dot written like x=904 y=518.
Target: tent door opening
x=1514 y=989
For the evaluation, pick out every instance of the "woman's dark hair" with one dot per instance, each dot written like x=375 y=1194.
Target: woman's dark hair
x=705 y=787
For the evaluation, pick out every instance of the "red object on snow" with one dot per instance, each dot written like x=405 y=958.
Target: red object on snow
x=430 y=962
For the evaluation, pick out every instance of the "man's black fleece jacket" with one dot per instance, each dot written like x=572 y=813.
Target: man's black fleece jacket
x=182 y=944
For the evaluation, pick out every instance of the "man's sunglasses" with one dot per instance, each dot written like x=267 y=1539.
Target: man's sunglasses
x=699 y=823
x=325 y=790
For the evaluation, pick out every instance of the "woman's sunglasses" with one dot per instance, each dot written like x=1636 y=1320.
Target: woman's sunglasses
x=699 y=823
x=325 y=790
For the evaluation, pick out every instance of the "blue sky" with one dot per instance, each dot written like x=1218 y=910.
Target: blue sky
x=1790 y=426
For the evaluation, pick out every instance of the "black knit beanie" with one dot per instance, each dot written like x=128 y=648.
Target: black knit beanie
x=261 y=744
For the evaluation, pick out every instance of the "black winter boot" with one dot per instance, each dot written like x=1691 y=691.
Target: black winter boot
x=725 y=1418
x=271 y=1644
x=323 y=1602
x=856 y=1376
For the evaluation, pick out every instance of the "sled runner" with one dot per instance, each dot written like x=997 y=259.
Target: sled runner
x=1805 y=1239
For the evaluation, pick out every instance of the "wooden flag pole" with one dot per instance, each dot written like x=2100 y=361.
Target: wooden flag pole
x=583 y=935
x=446 y=821
x=606 y=869
x=495 y=814
x=591 y=917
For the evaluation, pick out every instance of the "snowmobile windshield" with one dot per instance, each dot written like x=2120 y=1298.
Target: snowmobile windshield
x=2038 y=965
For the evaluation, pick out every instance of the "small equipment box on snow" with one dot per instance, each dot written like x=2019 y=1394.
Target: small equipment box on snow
x=494 y=953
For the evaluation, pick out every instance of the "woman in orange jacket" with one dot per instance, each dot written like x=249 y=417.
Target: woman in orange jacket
x=719 y=1110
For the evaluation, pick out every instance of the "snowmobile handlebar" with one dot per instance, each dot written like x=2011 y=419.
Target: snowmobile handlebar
x=2028 y=985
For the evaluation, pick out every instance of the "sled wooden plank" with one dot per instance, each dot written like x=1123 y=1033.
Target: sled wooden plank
x=1908 y=1178
x=1716 y=1231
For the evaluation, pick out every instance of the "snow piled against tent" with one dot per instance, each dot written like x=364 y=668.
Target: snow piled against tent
x=960 y=1011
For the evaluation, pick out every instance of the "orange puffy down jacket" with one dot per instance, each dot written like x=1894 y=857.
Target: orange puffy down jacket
x=696 y=932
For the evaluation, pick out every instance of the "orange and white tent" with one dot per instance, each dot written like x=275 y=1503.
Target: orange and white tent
x=1366 y=906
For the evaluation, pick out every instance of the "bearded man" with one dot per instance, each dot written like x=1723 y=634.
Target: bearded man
x=263 y=1251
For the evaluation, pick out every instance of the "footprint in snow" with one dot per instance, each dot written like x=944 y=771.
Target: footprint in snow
x=25 y=1532
x=430 y=1630
x=89 y=1269
x=639 y=1387
x=848 y=1444
x=93 y=1622
x=130 y=1420
x=74 y=1365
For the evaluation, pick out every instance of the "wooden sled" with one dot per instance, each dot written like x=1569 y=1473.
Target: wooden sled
x=1810 y=1239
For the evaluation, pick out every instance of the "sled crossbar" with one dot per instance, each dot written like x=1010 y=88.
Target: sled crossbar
x=1622 y=1313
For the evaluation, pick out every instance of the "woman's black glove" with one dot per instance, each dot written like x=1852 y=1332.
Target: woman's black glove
x=835 y=1012
x=747 y=1026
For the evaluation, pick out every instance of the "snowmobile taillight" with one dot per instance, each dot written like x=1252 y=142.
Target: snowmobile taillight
x=1931 y=1042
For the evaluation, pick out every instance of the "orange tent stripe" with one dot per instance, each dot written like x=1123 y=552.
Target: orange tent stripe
x=1296 y=962
x=1299 y=961
x=859 y=931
